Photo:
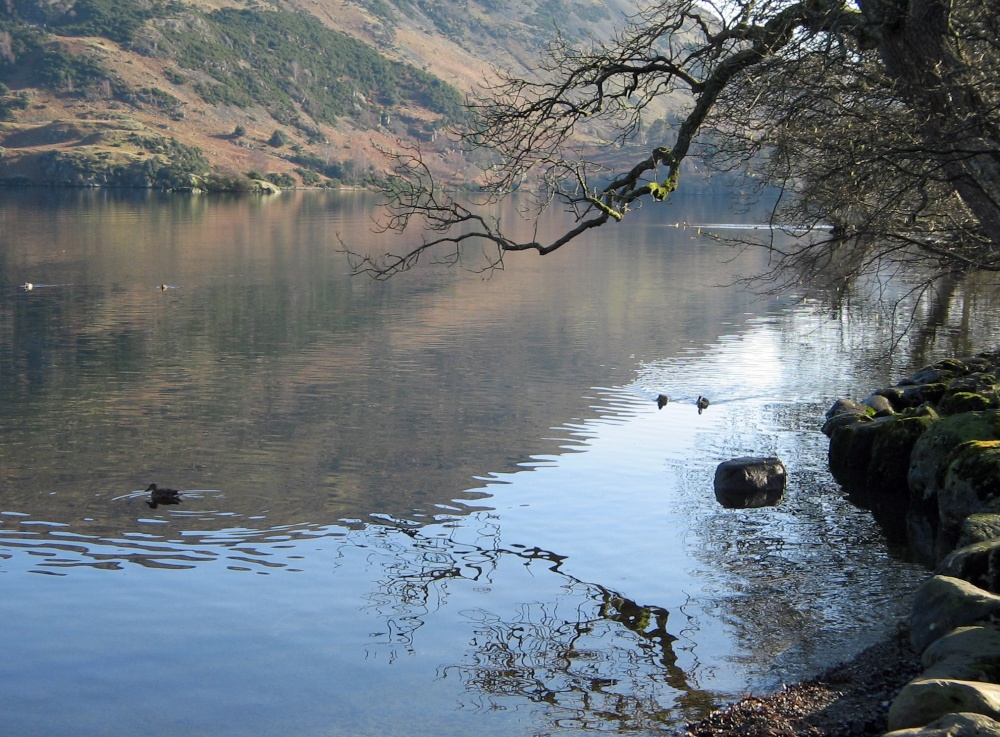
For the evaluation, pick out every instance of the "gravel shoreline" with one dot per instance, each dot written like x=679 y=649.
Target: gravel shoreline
x=848 y=700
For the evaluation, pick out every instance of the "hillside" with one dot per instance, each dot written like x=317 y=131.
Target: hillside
x=175 y=93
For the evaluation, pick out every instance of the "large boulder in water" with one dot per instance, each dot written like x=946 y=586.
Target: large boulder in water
x=747 y=482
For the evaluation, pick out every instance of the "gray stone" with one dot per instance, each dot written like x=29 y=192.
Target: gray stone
x=965 y=654
x=943 y=603
x=921 y=702
x=880 y=404
x=842 y=420
x=980 y=527
x=978 y=563
x=847 y=406
x=748 y=482
x=962 y=724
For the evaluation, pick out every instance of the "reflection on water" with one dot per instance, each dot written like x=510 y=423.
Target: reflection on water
x=440 y=505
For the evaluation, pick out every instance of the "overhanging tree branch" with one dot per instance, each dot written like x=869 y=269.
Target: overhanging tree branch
x=878 y=118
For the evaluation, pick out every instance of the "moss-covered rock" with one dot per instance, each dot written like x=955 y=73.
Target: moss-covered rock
x=843 y=420
x=971 y=481
x=984 y=525
x=957 y=402
x=871 y=460
x=930 y=460
x=914 y=396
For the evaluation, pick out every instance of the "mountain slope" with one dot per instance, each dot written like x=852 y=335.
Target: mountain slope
x=173 y=94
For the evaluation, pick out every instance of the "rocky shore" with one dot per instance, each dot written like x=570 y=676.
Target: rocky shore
x=924 y=457
x=849 y=700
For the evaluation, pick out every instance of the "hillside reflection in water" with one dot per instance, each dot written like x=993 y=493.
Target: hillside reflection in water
x=410 y=508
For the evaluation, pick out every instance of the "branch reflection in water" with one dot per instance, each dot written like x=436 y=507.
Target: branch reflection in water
x=590 y=659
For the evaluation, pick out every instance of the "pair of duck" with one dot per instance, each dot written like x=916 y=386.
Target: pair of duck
x=701 y=403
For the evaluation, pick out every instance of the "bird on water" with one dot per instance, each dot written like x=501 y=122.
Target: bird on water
x=162 y=496
x=702 y=404
x=662 y=400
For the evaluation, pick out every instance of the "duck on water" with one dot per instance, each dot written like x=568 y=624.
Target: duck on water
x=159 y=496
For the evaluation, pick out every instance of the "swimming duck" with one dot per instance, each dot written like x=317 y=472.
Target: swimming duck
x=162 y=496
x=164 y=287
x=661 y=401
x=702 y=404
x=28 y=285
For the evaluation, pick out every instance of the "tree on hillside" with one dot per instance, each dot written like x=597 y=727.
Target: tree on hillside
x=876 y=117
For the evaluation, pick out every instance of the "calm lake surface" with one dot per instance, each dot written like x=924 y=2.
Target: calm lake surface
x=442 y=505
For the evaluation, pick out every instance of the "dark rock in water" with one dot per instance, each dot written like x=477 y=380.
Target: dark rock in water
x=846 y=412
x=871 y=461
x=837 y=421
x=881 y=405
x=914 y=396
x=743 y=483
x=847 y=407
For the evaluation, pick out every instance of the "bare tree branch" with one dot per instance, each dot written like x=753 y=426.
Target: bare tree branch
x=879 y=119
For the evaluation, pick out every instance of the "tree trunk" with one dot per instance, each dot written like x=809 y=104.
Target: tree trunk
x=935 y=78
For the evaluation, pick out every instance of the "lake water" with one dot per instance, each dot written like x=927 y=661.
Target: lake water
x=441 y=505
